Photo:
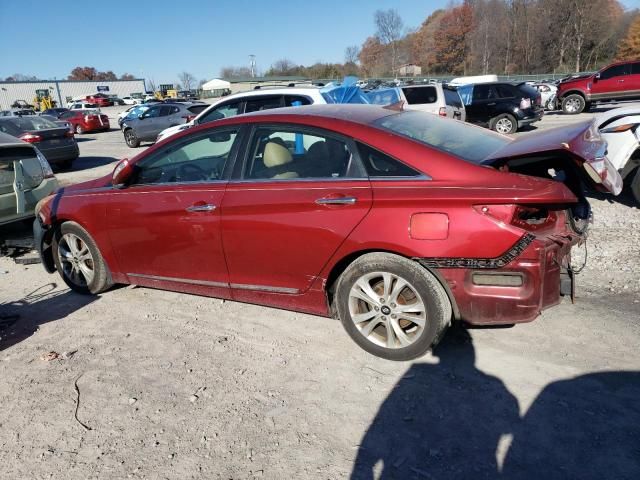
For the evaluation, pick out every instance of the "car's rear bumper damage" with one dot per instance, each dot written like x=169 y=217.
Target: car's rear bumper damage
x=512 y=288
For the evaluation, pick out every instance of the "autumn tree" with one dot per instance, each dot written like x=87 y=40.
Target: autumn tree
x=90 y=73
x=629 y=48
x=423 y=41
x=371 y=57
x=451 y=40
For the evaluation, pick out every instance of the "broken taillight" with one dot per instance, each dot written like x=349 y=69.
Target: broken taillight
x=525 y=217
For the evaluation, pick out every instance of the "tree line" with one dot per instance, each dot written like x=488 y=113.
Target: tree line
x=486 y=36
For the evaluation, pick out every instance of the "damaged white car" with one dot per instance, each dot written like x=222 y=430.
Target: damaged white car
x=620 y=128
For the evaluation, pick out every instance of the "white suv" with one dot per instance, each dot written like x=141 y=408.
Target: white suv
x=251 y=101
x=437 y=98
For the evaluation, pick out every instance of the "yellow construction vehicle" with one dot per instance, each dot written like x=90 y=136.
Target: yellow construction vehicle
x=42 y=101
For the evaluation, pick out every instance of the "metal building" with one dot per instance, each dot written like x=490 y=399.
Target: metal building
x=64 y=90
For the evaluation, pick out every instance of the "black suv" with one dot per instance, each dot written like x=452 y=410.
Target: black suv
x=502 y=106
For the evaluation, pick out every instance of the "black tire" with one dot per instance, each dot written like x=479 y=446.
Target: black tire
x=429 y=292
x=573 y=104
x=587 y=106
x=66 y=165
x=131 y=138
x=100 y=280
x=634 y=185
x=504 y=124
x=78 y=130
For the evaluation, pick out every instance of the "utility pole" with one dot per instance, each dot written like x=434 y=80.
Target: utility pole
x=252 y=65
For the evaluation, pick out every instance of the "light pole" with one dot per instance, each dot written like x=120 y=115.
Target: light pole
x=252 y=65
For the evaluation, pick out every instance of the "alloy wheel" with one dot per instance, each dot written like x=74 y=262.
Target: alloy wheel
x=504 y=125
x=387 y=310
x=78 y=265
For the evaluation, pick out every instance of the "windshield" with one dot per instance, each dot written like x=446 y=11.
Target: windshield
x=139 y=110
x=467 y=142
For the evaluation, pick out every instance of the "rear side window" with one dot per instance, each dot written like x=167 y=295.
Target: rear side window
x=505 y=91
x=420 y=95
x=483 y=92
x=452 y=98
x=263 y=103
x=289 y=100
x=164 y=111
x=223 y=111
x=196 y=109
x=379 y=164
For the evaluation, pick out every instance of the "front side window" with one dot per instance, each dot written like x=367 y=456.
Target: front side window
x=615 y=71
x=199 y=159
x=225 y=110
x=278 y=154
x=152 y=113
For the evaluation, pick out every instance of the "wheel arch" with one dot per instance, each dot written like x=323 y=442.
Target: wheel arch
x=572 y=92
x=341 y=265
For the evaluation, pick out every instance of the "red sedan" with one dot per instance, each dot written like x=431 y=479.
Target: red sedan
x=84 y=121
x=395 y=222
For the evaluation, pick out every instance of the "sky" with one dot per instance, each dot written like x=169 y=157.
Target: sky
x=159 y=39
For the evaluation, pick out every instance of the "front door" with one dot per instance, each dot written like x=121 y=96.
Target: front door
x=611 y=84
x=146 y=125
x=165 y=226
x=299 y=195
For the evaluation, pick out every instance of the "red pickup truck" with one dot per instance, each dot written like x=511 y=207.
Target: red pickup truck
x=100 y=99
x=618 y=81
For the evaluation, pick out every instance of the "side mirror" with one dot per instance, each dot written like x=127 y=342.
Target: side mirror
x=122 y=173
x=141 y=116
x=597 y=77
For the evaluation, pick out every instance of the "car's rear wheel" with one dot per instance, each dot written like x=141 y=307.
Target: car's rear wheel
x=391 y=306
x=504 y=124
x=131 y=138
x=78 y=129
x=78 y=260
x=573 y=104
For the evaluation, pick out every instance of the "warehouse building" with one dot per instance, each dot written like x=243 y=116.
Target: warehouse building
x=64 y=90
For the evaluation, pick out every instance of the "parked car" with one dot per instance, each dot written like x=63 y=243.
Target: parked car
x=437 y=98
x=85 y=121
x=357 y=210
x=620 y=128
x=548 y=95
x=501 y=106
x=131 y=100
x=250 y=101
x=16 y=112
x=618 y=81
x=55 y=112
x=57 y=121
x=132 y=112
x=55 y=142
x=115 y=100
x=84 y=106
x=100 y=99
x=148 y=124
x=25 y=179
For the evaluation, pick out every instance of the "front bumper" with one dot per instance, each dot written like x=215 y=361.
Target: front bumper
x=539 y=265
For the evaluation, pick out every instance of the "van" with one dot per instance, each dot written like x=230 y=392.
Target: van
x=438 y=98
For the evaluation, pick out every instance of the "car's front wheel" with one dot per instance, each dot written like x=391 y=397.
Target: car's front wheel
x=391 y=306
x=78 y=260
x=131 y=138
x=78 y=129
x=573 y=104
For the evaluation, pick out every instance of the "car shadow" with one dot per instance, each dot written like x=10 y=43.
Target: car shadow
x=84 y=139
x=625 y=198
x=453 y=421
x=87 y=162
x=19 y=319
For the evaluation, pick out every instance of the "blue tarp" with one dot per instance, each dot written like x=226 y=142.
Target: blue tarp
x=345 y=92
x=466 y=93
x=384 y=96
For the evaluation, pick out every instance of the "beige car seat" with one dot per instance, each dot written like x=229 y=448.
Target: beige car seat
x=276 y=157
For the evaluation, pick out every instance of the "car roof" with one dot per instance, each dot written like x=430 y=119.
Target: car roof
x=355 y=113
x=274 y=91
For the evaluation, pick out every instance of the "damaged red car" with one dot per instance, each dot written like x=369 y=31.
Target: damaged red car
x=397 y=223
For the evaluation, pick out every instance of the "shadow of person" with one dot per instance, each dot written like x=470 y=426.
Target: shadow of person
x=441 y=421
x=584 y=428
x=21 y=318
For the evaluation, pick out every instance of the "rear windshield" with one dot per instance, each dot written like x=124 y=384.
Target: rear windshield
x=420 y=95
x=467 y=142
x=528 y=90
x=451 y=97
x=31 y=123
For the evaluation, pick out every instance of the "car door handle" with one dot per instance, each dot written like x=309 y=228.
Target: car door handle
x=201 y=208
x=491 y=104
x=336 y=201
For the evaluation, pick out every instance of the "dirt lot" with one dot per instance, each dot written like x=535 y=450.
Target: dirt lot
x=176 y=386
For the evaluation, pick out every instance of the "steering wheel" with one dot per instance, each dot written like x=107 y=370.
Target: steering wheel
x=191 y=172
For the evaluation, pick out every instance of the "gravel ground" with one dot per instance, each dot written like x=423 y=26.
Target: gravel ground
x=167 y=385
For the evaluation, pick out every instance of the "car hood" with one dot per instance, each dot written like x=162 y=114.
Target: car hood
x=579 y=78
x=583 y=143
x=88 y=185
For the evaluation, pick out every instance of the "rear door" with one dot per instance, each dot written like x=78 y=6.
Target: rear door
x=483 y=104
x=296 y=198
x=633 y=81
